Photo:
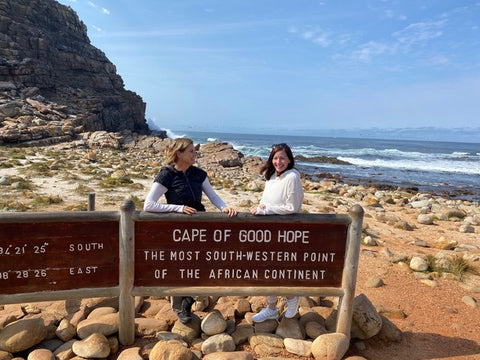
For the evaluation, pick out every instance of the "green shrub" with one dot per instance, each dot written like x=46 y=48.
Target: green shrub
x=110 y=182
x=45 y=200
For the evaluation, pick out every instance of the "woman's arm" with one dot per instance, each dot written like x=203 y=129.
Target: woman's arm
x=212 y=195
x=151 y=202
x=215 y=199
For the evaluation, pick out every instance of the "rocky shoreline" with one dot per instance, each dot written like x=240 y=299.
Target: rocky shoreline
x=419 y=259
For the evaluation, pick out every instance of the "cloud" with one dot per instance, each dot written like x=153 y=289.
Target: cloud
x=366 y=51
x=318 y=36
x=420 y=32
x=95 y=6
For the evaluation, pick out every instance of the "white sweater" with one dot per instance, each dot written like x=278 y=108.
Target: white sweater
x=282 y=194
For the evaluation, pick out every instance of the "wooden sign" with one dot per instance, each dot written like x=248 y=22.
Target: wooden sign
x=52 y=256
x=232 y=253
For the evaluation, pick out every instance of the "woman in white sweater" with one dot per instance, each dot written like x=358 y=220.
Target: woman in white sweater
x=283 y=194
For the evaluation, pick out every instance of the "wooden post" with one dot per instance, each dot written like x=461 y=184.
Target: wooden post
x=126 y=275
x=349 y=277
x=91 y=201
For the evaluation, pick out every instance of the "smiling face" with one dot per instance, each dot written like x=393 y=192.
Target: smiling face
x=186 y=157
x=280 y=161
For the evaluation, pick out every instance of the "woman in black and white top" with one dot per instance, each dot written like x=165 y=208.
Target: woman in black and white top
x=182 y=183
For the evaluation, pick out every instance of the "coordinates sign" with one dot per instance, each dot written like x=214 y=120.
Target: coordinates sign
x=52 y=256
x=239 y=254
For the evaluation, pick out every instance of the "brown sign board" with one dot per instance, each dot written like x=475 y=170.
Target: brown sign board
x=232 y=253
x=53 y=256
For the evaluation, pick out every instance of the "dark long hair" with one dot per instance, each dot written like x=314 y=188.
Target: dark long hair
x=268 y=169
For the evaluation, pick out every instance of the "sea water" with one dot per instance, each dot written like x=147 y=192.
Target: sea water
x=447 y=168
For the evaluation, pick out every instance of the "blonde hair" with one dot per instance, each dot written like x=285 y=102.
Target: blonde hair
x=179 y=144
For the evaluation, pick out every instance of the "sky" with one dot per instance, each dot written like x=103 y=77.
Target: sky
x=299 y=66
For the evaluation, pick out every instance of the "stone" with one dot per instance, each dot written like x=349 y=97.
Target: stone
x=453 y=213
x=221 y=153
x=237 y=355
x=418 y=264
x=444 y=244
x=298 y=347
x=266 y=344
x=114 y=344
x=267 y=326
x=366 y=321
x=290 y=328
x=65 y=352
x=425 y=219
x=188 y=331
x=130 y=354
x=213 y=323
x=167 y=314
x=466 y=229
x=105 y=324
x=5 y=355
x=151 y=307
x=50 y=344
x=307 y=315
x=242 y=333
x=330 y=346
x=314 y=329
x=226 y=309
x=470 y=301
x=22 y=334
x=10 y=314
x=242 y=306
x=168 y=350
x=369 y=241
x=374 y=282
x=94 y=346
x=389 y=331
x=65 y=330
x=167 y=335
x=219 y=342
x=41 y=354
x=100 y=311
x=149 y=326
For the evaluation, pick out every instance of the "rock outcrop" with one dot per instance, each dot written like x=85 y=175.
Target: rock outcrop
x=53 y=83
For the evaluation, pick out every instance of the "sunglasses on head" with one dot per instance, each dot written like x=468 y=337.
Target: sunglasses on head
x=281 y=145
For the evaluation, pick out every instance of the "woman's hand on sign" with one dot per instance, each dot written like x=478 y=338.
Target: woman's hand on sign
x=189 y=210
x=230 y=211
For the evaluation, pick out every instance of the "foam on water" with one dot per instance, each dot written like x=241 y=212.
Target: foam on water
x=441 y=165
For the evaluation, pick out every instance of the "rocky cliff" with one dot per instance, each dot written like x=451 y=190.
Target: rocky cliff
x=53 y=83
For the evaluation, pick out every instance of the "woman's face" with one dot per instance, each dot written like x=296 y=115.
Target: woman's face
x=187 y=156
x=280 y=161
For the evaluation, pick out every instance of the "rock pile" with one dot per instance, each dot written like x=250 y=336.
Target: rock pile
x=221 y=329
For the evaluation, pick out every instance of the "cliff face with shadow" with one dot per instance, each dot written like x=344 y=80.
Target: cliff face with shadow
x=53 y=83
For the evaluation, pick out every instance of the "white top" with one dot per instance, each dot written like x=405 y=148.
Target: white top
x=282 y=194
x=157 y=190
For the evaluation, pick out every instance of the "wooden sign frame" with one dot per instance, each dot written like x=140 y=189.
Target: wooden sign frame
x=326 y=244
x=58 y=255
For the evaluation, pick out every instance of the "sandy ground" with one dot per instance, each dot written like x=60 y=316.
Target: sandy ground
x=435 y=322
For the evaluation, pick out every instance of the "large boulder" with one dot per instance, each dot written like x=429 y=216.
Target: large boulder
x=53 y=83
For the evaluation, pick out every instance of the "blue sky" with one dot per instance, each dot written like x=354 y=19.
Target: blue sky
x=294 y=65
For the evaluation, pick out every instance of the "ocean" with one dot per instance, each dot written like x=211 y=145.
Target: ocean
x=450 y=169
